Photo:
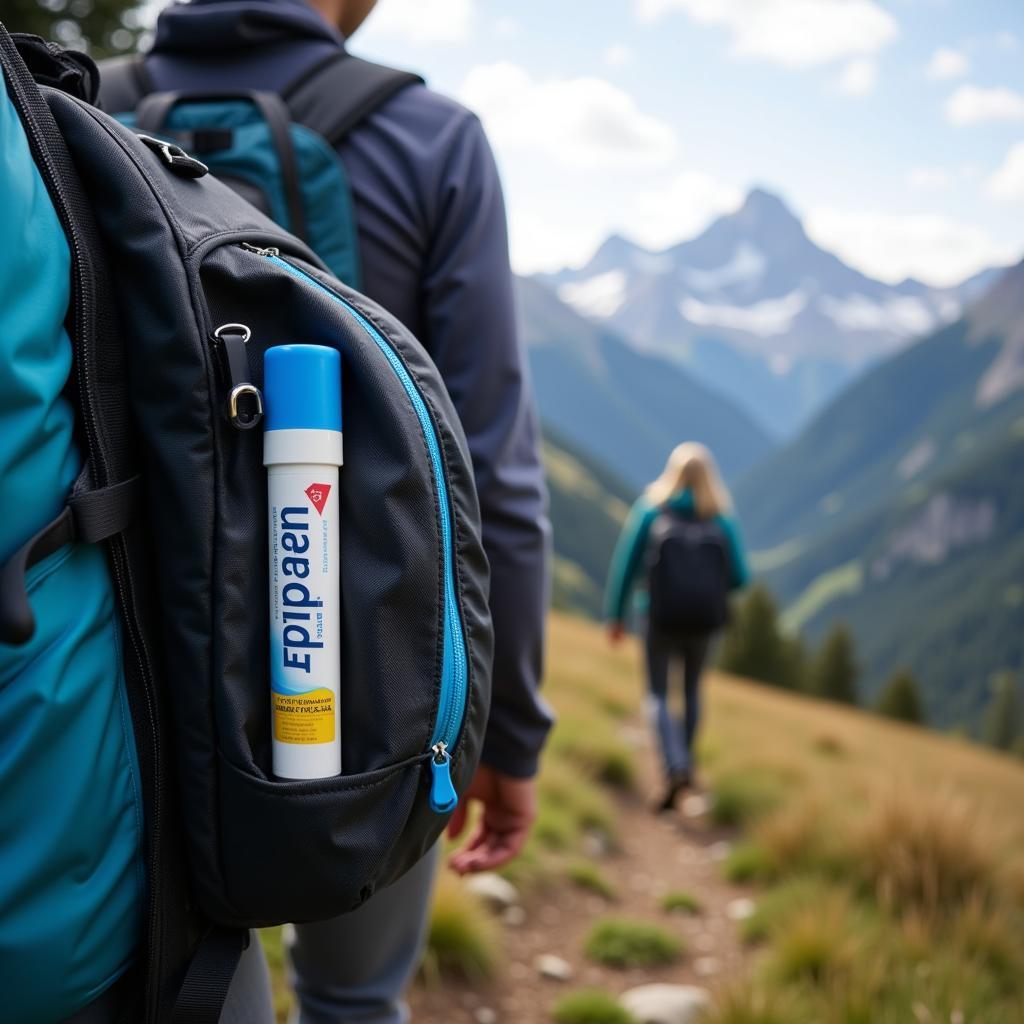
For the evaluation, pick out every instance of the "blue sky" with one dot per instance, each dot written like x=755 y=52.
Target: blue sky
x=895 y=129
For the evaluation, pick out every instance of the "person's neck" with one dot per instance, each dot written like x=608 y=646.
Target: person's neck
x=330 y=10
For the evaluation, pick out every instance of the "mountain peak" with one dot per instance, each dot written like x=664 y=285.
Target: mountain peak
x=764 y=209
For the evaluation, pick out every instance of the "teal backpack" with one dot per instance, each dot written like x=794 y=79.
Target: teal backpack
x=277 y=152
x=71 y=868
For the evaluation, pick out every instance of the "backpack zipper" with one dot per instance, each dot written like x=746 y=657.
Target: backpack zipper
x=454 y=666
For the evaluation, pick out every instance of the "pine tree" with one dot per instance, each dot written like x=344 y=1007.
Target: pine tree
x=834 y=673
x=101 y=27
x=754 y=645
x=1002 y=724
x=901 y=698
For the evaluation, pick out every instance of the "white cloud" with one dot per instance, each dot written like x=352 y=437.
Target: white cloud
x=928 y=177
x=972 y=104
x=618 y=55
x=580 y=122
x=931 y=247
x=423 y=21
x=540 y=244
x=1007 y=182
x=679 y=209
x=858 y=78
x=794 y=33
x=946 y=63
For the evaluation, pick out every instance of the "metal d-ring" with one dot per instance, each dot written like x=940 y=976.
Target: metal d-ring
x=234 y=328
x=242 y=420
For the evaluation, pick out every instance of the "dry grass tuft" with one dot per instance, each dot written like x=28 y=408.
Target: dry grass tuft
x=926 y=853
x=464 y=939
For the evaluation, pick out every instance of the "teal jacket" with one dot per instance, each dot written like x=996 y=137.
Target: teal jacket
x=628 y=558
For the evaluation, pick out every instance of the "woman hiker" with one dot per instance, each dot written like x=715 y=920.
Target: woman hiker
x=681 y=543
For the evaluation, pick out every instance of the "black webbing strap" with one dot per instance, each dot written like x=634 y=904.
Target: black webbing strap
x=209 y=976
x=89 y=517
x=337 y=93
x=153 y=110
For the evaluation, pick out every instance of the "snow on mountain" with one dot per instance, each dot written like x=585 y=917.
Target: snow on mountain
x=758 y=311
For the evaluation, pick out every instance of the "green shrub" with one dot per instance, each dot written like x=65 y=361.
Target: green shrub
x=739 y=799
x=591 y=1007
x=680 y=901
x=748 y=862
x=621 y=942
x=589 y=876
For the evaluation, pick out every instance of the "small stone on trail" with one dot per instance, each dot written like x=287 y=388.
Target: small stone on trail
x=553 y=967
x=740 y=909
x=720 y=850
x=666 y=1004
x=485 y=1015
x=596 y=844
x=514 y=917
x=705 y=966
x=695 y=805
x=497 y=892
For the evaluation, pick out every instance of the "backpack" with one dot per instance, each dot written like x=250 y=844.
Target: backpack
x=688 y=576
x=277 y=152
x=171 y=273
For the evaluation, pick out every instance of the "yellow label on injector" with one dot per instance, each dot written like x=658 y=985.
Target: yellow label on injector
x=304 y=717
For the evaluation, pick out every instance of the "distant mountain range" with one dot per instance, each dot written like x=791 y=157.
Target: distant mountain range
x=588 y=507
x=900 y=509
x=624 y=408
x=756 y=311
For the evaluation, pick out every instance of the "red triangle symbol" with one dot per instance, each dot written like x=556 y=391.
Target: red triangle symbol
x=317 y=493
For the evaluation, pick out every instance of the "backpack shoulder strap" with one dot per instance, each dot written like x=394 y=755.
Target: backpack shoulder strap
x=337 y=93
x=123 y=82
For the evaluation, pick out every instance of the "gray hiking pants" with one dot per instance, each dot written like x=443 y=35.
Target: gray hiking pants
x=352 y=969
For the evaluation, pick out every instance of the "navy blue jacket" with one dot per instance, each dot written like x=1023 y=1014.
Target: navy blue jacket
x=433 y=244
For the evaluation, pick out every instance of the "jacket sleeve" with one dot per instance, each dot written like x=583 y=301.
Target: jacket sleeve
x=470 y=321
x=739 y=569
x=626 y=560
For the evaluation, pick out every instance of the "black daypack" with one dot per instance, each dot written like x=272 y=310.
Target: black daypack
x=172 y=271
x=688 y=575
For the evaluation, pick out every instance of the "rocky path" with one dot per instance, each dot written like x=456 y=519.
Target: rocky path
x=656 y=855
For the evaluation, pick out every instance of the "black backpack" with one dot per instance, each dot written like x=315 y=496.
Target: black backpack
x=162 y=257
x=688 y=575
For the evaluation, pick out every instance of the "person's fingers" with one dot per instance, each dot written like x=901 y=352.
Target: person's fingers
x=489 y=850
x=458 y=820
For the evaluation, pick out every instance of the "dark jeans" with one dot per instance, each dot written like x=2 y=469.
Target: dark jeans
x=675 y=736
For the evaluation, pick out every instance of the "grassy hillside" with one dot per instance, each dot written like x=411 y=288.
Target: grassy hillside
x=623 y=408
x=885 y=866
x=934 y=581
x=588 y=507
x=901 y=511
x=934 y=406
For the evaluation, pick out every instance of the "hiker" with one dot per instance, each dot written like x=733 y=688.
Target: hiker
x=432 y=244
x=681 y=543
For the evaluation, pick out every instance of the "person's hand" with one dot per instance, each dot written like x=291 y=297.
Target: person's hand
x=616 y=631
x=510 y=805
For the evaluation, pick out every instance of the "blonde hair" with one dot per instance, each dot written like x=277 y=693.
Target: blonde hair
x=691 y=467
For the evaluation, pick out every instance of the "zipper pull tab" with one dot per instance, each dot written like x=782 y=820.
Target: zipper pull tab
x=271 y=251
x=443 y=797
x=245 y=403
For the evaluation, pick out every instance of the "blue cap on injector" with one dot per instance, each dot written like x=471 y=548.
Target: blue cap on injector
x=302 y=388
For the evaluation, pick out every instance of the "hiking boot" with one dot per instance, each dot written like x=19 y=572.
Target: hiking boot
x=676 y=783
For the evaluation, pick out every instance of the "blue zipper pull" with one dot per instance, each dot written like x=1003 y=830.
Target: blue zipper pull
x=443 y=797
